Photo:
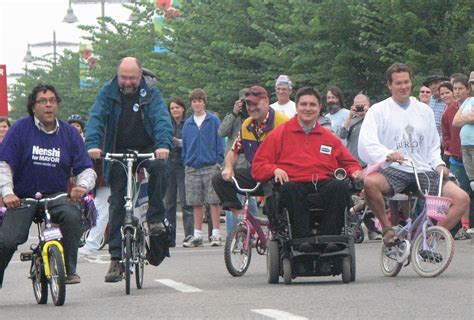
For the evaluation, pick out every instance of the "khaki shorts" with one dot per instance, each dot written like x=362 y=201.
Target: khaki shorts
x=198 y=185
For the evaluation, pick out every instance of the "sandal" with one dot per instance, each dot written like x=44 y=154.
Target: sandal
x=389 y=237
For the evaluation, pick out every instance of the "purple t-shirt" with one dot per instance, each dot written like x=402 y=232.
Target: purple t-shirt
x=43 y=162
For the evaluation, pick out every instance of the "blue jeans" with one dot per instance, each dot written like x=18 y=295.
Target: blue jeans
x=118 y=186
x=175 y=187
x=231 y=221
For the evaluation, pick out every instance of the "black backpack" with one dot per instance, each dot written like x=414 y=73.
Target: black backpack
x=159 y=246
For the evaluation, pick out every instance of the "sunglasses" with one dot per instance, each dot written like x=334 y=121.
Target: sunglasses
x=254 y=93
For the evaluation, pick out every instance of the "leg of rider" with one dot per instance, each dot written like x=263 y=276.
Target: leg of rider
x=170 y=200
x=375 y=185
x=188 y=219
x=118 y=183
x=336 y=200
x=68 y=216
x=292 y=197
x=156 y=190
x=102 y=205
x=14 y=231
x=460 y=204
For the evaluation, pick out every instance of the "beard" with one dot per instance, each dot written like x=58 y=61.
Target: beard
x=129 y=89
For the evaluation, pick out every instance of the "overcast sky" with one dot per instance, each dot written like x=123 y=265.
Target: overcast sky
x=33 y=21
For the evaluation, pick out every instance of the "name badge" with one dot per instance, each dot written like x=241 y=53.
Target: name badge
x=325 y=149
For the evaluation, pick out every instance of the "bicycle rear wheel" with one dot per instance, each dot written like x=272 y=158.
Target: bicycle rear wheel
x=436 y=257
x=140 y=254
x=237 y=257
x=58 y=276
x=40 y=282
x=388 y=262
x=128 y=259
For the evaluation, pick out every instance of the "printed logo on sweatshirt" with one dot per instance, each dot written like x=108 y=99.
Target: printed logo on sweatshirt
x=45 y=157
x=325 y=149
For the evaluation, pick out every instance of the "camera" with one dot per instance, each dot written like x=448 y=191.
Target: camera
x=244 y=104
x=359 y=108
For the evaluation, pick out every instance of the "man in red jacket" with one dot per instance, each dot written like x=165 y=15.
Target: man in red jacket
x=302 y=156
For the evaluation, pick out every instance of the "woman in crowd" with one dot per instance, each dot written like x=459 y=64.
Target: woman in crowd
x=446 y=93
x=177 y=110
x=4 y=126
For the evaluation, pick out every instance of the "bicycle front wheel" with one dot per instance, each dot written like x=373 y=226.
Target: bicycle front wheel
x=237 y=257
x=40 y=282
x=128 y=259
x=140 y=265
x=58 y=276
x=432 y=259
x=388 y=262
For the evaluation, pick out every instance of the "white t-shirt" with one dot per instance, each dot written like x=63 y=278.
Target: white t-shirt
x=199 y=119
x=288 y=109
x=337 y=120
x=411 y=131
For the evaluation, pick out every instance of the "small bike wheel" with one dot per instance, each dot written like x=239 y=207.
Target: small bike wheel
x=434 y=259
x=353 y=259
x=140 y=265
x=388 y=262
x=273 y=262
x=128 y=260
x=237 y=257
x=58 y=276
x=40 y=282
x=287 y=273
x=346 y=269
x=358 y=234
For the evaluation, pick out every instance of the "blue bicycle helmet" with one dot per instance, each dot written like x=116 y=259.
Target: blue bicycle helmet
x=75 y=118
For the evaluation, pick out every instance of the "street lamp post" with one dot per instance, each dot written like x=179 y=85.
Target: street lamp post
x=55 y=44
x=71 y=17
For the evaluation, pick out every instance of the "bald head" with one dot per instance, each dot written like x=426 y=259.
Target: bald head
x=129 y=74
x=361 y=98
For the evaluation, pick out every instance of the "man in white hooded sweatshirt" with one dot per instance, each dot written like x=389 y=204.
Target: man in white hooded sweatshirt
x=397 y=128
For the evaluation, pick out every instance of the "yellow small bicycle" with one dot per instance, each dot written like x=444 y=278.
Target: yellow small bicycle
x=47 y=257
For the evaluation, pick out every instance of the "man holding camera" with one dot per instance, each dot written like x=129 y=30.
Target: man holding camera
x=261 y=121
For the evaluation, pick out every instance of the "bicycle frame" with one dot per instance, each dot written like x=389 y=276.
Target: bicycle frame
x=249 y=221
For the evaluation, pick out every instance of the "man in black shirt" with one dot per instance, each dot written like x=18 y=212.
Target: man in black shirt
x=129 y=114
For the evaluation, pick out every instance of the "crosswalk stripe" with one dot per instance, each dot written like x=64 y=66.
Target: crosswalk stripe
x=178 y=285
x=278 y=314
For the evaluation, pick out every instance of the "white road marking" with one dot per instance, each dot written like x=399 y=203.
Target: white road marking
x=178 y=285
x=278 y=314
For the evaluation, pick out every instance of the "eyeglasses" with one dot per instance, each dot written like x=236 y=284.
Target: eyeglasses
x=127 y=78
x=254 y=93
x=44 y=101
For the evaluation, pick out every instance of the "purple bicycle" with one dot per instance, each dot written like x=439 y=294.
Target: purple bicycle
x=238 y=245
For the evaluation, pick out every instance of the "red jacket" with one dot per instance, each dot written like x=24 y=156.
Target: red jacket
x=451 y=139
x=304 y=157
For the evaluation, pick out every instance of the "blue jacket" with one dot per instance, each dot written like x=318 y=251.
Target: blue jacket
x=202 y=146
x=105 y=114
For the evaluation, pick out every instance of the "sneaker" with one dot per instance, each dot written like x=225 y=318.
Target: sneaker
x=156 y=228
x=373 y=235
x=215 y=241
x=84 y=252
x=470 y=231
x=115 y=273
x=462 y=235
x=73 y=278
x=192 y=242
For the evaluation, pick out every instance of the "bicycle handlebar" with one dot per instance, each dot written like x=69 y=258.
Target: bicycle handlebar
x=43 y=200
x=129 y=155
x=245 y=190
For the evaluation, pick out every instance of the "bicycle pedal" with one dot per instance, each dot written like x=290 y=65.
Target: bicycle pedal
x=26 y=256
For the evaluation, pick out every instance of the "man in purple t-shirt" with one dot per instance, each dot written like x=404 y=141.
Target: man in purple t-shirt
x=39 y=154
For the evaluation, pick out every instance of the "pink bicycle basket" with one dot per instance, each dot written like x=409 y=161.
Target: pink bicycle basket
x=437 y=207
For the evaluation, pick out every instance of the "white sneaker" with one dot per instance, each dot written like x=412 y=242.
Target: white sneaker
x=470 y=230
x=192 y=242
x=84 y=252
x=215 y=241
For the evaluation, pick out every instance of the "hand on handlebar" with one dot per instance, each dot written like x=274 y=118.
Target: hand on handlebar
x=358 y=175
x=281 y=176
x=162 y=153
x=227 y=173
x=95 y=153
x=395 y=157
x=444 y=170
x=11 y=201
x=77 y=193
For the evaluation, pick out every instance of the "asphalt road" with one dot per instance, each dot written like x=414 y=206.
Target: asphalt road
x=194 y=284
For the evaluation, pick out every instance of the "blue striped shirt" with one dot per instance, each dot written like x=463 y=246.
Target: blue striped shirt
x=438 y=107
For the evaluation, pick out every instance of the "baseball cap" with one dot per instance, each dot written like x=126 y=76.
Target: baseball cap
x=471 y=77
x=255 y=93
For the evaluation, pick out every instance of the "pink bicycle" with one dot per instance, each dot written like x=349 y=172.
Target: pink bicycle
x=238 y=245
